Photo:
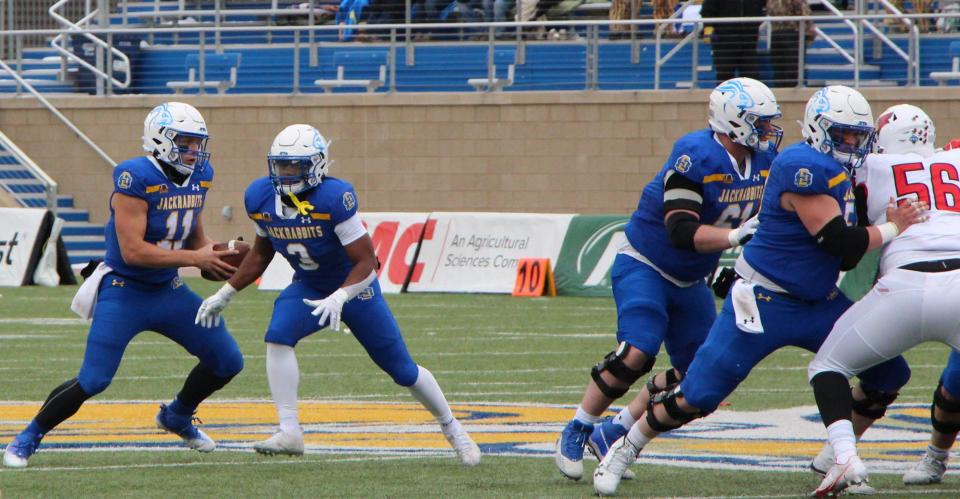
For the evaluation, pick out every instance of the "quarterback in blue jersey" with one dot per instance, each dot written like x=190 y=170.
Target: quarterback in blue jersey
x=787 y=292
x=155 y=227
x=699 y=204
x=313 y=221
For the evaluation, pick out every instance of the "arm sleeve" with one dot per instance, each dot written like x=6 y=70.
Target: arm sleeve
x=129 y=182
x=350 y=229
x=345 y=207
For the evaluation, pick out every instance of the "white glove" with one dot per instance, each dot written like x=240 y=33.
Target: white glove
x=329 y=308
x=208 y=315
x=742 y=234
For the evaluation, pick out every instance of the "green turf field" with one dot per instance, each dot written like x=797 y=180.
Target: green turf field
x=481 y=349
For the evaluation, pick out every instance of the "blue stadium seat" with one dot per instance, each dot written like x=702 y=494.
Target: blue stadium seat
x=220 y=72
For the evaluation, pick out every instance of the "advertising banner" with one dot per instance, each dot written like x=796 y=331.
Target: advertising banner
x=479 y=252
x=21 y=235
x=589 y=248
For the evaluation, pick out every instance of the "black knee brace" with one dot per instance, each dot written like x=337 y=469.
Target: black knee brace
x=866 y=407
x=673 y=379
x=951 y=406
x=668 y=399
x=613 y=363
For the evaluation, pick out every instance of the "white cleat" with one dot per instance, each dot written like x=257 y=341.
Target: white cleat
x=468 y=452
x=11 y=460
x=851 y=476
x=289 y=444
x=824 y=460
x=926 y=471
x=607 y=476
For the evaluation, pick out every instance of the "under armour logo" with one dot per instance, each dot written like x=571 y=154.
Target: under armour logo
x=195 y=187
x=117 y=282
x=305 y=220
x=756 y=178
x=749 y=320
x=766 y=298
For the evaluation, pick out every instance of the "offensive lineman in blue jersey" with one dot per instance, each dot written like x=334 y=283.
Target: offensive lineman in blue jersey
x=700 y=204
x=787 y=292
x=313 y=221
x=155 y=227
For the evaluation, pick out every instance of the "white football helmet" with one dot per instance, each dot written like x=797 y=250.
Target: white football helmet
x=167 y=131
x=744 y=109
x=297 y=159
x=834 y=112
x=904 y=128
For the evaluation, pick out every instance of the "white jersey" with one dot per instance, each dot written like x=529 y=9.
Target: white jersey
x=934 y=180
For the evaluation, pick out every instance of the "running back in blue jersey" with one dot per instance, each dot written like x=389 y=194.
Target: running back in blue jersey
x=782 y=249
x=729 y=198
x=171 y=212
x=307 y=240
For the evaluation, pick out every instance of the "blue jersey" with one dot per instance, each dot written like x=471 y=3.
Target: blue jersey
x=308 y=241
x=782 y=250
x=729 y=198
x=171 y=212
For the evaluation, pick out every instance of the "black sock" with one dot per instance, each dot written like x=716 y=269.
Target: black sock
x=200 y=384
x=64 y=401
x=834 y=400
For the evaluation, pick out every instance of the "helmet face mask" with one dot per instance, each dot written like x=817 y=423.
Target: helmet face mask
x=298 y=159
x=838 y=122
x=176 y=134
x=744 y=109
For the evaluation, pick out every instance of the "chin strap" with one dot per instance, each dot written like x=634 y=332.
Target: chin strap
x=303 y=207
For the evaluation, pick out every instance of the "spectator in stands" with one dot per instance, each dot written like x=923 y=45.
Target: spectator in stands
x=497 y=11
x=785 y=40
x=734 y=44
x=917 y=7
x=690 y=14
x=622 y=10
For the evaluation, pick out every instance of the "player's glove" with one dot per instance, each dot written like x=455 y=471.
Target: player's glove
x=329 y=308
x=208 y=315
x=742 y=234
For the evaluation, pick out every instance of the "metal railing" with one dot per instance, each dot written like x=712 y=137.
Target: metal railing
x=59 y=43
x=591 y=41
x=49 y=185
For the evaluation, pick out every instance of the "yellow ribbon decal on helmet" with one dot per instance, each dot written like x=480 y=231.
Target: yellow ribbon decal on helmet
x=303 y=207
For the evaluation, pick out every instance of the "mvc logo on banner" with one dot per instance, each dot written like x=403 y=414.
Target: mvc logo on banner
x=589 y=248
x=396 y=237
x=21 y=242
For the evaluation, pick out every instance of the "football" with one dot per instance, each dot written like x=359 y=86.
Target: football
x=242 y=249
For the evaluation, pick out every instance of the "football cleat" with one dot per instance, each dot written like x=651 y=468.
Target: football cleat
x=20 y=450
x=607 y=476
x=603 y=436
x=289 y=444
x=926 y=471
x=468 y=452
x=824 y=460
x=183 y=427
x=569 y=451
x=850 y=476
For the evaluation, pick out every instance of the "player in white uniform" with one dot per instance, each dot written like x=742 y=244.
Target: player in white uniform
x=913 y=301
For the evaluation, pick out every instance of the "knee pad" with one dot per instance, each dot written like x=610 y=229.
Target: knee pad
x=668 y=399
x=945 y=405
x=404 y=375
x=231 y=365
x=613 y=363
x=879 y=398
x=672 y=381
x=93 y=385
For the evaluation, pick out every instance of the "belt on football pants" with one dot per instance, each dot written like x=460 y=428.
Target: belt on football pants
x=933 y=266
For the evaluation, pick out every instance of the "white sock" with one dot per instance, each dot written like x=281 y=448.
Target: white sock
x=283 y=375
x=585 y=417
x=624 y=418
x=636 y=437
x=428 y=393
x=842 y=440
x=938 y=453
